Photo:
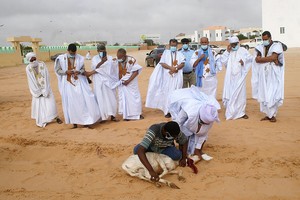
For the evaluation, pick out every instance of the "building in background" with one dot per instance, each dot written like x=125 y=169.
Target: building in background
x=248 y=32
x=215 y=33
x=282 y=19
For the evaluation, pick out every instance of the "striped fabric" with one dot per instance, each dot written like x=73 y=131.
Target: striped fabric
x=155 y=141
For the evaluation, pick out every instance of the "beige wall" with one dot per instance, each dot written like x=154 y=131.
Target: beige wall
x=10 y=59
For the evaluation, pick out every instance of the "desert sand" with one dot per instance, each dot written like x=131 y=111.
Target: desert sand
x=253 y=159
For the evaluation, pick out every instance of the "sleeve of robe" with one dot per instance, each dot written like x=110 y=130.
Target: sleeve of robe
x=33 y=87
x=193 y=58
x=46 y=90
x=224 y=58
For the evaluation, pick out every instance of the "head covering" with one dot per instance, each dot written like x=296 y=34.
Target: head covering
x=30 y=55
x=172 y=127
x=101 y=47
x=209 y=114
x=233 y=39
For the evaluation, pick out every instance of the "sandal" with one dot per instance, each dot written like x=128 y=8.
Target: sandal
x=58 y=120
x=114 y=119
x=273 y=119
x=265 y=118
x=245 y=117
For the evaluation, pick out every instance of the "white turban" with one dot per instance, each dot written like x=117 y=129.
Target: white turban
x=30 y=55
x=233 y=39
x=209 y=114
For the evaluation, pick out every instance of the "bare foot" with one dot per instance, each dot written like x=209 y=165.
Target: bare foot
x=58 y=120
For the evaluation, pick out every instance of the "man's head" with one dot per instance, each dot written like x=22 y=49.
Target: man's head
x=204 y=43
x=185 y=43
x=208 y=114
x=267 y=38
x=173 y=45
x=121 y=55
x=72 y=48
x=234 y=41
x=31 y=57
x=101 y=48
x=171 y=130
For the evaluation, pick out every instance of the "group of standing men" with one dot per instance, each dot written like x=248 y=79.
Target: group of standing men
x=182 y=68
x=82 y=105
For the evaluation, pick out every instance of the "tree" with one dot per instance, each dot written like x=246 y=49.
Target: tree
x=149 y=42
x=116 y=44
x=241 y=37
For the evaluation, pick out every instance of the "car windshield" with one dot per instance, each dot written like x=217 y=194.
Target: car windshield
x=160 y=50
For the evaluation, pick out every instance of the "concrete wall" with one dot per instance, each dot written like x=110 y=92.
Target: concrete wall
x=276 y=14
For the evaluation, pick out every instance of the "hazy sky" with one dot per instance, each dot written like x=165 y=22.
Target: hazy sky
x=58 y=21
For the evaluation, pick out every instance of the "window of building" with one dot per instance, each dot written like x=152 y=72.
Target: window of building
x=282 y=30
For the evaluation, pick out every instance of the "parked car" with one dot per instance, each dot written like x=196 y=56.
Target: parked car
x=252 y=43
x=55 y=56
x=217 y=49
x=154 y=57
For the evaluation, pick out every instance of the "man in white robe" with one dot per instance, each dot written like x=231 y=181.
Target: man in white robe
x=43 y=105
x=79 y=102
x=130 y=102
x=195 y=112
x=204 y=62
x=237 y=61
x=105 y=75
x=88 y=55
x=268 y=76
x=166 y=77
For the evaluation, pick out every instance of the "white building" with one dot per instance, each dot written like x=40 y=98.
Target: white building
x=247 y=32
x=282 y=19
x=215 y=33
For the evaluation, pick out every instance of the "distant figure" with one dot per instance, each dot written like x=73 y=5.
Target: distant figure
x=189 y=77
x=195 y=112
x=166 y=77
x=268 y=76
x=237 y=61
x=43 y=106
x=105 y=74
x=88 y=55
x=204 y=61
x=130 y=102
x=78 y=101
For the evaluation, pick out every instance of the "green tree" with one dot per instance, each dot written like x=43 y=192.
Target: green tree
x=241 y=37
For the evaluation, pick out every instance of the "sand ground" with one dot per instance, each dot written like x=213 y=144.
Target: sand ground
x=252 y=159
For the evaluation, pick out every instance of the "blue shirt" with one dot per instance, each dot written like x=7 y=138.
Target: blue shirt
x=188 y=55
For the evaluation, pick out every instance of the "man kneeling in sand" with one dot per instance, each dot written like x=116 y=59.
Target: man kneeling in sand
x=160 y=139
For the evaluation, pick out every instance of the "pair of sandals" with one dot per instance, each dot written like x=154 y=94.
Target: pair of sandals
x=272 y=119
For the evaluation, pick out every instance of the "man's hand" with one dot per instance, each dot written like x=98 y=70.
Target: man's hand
x=126 y=82
x=242 y=63
x=69 y=72
x=229 y=48
x=258 y=59
x=76 y=73
x=182 y=162
x=202 y=56
x=154 y=176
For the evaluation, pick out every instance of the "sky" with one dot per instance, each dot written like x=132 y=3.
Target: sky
x=122 y=21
